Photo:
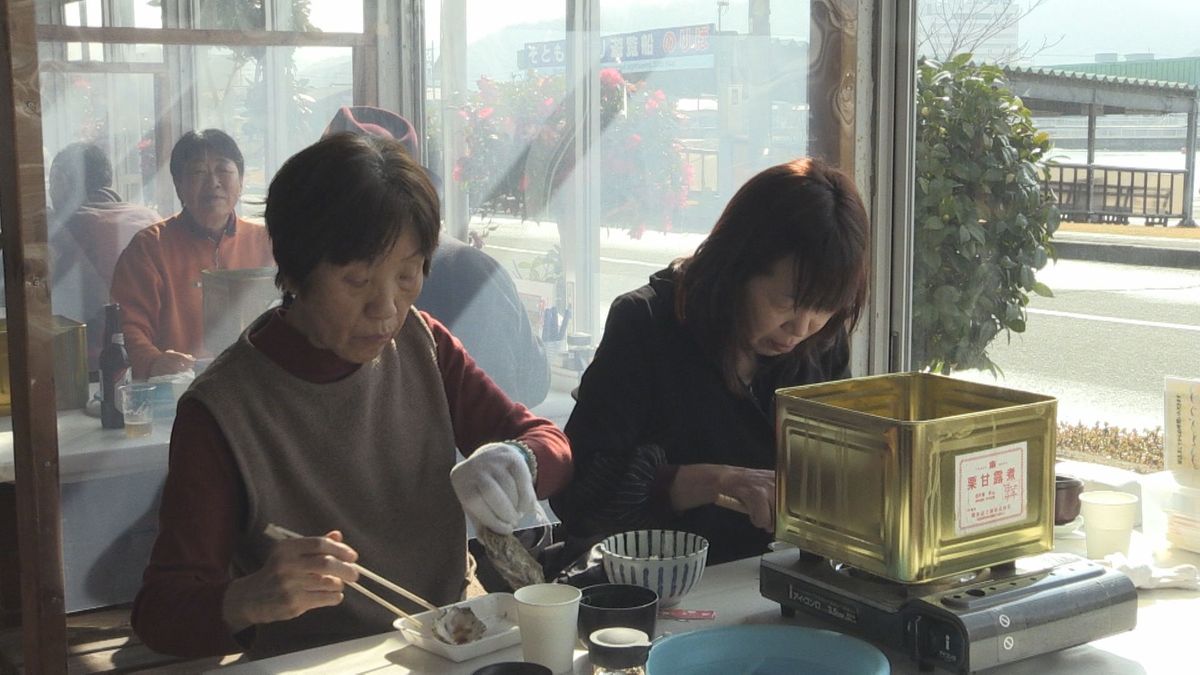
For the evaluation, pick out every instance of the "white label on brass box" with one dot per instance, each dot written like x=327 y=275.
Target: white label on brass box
x=990 y=488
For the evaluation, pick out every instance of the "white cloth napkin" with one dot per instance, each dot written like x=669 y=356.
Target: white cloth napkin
x=1146 y=575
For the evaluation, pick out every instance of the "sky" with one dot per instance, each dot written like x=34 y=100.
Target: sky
x=1166 y=28
x=1081 y=28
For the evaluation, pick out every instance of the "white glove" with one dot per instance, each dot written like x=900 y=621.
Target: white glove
x=495 y=486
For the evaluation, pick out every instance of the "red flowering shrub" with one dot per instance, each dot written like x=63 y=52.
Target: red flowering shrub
x=516 y=130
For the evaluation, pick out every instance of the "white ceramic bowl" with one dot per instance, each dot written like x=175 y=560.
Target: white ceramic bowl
x=667 y=562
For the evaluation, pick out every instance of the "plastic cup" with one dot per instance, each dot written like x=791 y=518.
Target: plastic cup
x=136 y=403
x=1108 y=519
x=547 y=615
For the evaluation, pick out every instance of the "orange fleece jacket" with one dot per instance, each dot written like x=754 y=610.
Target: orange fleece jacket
x=157 y=283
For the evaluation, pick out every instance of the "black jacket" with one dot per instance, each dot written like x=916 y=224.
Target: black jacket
x=651 y=400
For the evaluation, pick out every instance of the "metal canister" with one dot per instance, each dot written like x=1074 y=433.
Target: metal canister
x=913 y=476
x=70 y=364
x=233 y=299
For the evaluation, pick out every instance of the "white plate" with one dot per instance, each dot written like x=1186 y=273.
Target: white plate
x=1068 y=528
x=497 y=611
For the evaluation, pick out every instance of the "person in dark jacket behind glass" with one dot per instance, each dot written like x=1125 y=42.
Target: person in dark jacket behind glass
x=676 y=408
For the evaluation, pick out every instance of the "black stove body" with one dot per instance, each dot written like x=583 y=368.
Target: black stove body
x=998 y=615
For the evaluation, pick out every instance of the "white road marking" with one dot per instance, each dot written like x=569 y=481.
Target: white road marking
x=1115 y=319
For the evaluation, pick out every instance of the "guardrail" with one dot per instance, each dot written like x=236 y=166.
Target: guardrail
x=1114 y=194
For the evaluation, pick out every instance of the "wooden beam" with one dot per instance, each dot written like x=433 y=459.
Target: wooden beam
x=122 y=67
x=832 y=82
x=30 y=343
x=193 y=36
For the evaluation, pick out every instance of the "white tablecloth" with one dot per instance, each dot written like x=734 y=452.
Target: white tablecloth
x=1162 y=644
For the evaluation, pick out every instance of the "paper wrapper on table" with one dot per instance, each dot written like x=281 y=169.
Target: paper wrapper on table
x=914 y=476
x=1181 y=438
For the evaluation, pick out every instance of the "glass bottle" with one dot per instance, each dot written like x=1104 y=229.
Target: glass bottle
x=114 y=368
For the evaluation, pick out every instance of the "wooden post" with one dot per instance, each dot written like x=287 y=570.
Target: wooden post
x=832 y=82
x=1091 y=159
x=1189 y=176
x=30 y=343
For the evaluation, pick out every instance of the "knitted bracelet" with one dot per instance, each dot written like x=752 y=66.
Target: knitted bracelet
x=530 y=458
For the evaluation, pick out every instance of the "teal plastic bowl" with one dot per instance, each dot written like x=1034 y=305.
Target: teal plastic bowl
x=765 y=650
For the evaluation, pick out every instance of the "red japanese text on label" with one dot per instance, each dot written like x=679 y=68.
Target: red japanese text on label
x=990 y=488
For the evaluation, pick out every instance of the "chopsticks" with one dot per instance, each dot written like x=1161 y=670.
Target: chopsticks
x=280 y=533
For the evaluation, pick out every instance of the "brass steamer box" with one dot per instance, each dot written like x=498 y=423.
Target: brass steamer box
x=70 y=364
x=913 y=476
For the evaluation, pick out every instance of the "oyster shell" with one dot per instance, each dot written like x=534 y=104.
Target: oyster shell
x=458 y=626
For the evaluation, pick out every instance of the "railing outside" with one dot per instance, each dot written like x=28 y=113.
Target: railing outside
x=1113 y=194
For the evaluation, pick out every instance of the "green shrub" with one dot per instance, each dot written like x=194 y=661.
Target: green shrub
x=983 y=218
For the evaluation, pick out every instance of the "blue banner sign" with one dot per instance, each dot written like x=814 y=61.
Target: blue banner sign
x=643 y=48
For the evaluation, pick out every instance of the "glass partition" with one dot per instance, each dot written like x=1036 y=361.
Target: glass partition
x=117 y=94
x=583 y=145
x=586 y=151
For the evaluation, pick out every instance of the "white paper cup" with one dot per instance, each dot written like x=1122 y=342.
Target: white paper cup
x=547 y=615
x=1108 y=519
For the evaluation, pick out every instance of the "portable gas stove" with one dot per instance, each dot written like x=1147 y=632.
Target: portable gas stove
x=971 y=622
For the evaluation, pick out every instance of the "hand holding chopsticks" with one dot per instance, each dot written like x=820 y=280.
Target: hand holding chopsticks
x=279 y=533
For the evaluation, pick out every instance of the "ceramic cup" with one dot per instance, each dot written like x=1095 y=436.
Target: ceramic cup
x=1108 y=519
x=618 y=649
x=547 y=614
x=608 y=605
x=1066 y=498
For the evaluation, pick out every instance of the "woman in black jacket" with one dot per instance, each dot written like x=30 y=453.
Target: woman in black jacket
x=676 y=410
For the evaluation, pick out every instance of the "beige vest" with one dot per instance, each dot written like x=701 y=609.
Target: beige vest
x=369 y=455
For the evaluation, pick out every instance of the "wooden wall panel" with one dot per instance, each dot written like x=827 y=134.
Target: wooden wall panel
x=30 y=342
x=832 y=81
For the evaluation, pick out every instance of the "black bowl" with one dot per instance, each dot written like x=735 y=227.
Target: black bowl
x=513 y=668
x=611 y=605
x=1066 y=498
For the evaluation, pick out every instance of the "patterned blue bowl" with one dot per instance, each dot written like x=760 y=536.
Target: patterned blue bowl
x=667 y=562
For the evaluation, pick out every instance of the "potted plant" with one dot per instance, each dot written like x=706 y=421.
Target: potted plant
x=983 y=218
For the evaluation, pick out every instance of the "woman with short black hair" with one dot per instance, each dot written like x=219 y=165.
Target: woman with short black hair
x=676 y=409
x=336 y=416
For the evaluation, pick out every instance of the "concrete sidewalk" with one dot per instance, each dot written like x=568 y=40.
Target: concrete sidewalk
x=1129 y=249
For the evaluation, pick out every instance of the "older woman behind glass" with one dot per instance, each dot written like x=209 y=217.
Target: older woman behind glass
x=676 y=408
x=157 y=278
x=337 y=416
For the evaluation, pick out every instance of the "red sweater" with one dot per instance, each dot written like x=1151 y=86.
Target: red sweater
x=178 y=609
x=157 y=283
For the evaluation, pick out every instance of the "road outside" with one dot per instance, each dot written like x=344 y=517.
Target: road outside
x=1105 y=342
x=1102 y=345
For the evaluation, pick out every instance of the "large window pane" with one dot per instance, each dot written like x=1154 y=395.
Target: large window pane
x=1101 y=326
x=688 y=101
x=130 y=103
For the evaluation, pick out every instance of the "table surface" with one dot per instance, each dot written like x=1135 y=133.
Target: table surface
x=87 y=450
x=1159 y=645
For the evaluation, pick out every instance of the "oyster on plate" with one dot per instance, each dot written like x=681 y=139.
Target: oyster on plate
x=458 y=626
